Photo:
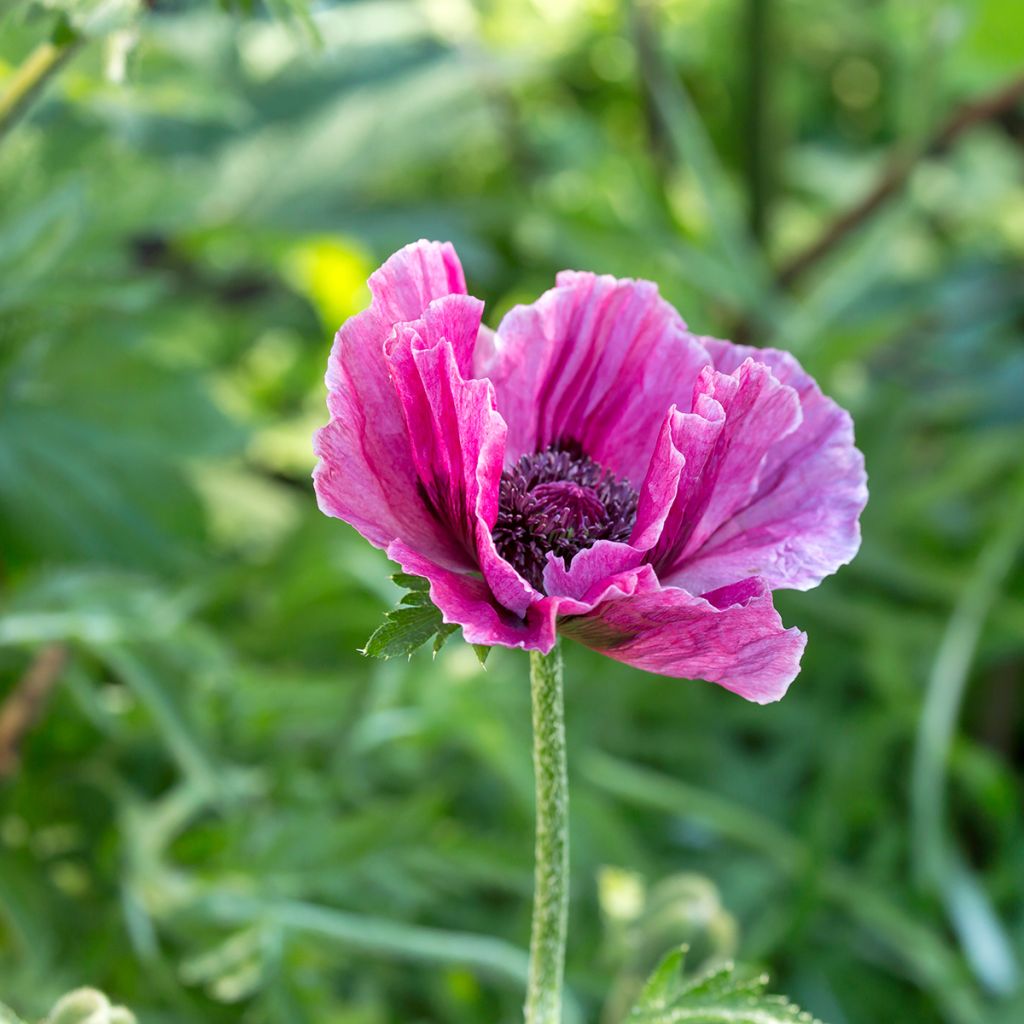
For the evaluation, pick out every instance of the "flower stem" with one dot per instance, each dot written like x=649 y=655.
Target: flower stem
x=31 y=77
x=551 y=868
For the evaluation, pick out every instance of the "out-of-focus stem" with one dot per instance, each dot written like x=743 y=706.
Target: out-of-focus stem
x=551 y=868
x=24 y=705
x=31 y=78
x=758 y=113
x=898 y=171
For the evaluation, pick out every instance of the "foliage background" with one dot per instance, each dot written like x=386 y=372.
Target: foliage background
x=225 y=813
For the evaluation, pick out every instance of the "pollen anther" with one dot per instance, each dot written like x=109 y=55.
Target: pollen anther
x=561 y=501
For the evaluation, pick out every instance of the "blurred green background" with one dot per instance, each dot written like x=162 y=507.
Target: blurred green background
x=221 y=811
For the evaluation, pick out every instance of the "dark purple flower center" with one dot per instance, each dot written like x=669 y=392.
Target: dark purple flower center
x=561 y=501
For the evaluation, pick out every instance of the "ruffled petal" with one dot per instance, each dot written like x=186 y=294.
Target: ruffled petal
x=668 y=495
x=456 y=435
x=595 y=360
x=589 y=568
x=661 y=484
x=802 y=521
x=454 y=432
x=469 y=602
x=413 y=277
x=624 y=583
x=366 y=474
x=736 y=420
x=733 y=637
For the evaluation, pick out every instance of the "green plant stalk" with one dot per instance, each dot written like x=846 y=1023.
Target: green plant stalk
x=758 y=112
x=31 y=77
x=551 y=866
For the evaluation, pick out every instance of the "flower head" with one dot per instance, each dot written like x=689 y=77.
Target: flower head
x=591 y=467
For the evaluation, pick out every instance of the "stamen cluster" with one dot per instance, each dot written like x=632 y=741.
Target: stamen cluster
x=559 y=500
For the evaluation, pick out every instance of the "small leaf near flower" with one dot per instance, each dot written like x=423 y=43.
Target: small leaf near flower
x=409 y=582
x=446 y=630
x=715 y=997
x=409 y=626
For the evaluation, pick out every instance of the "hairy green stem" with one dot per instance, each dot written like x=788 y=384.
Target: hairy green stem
x=551 y=868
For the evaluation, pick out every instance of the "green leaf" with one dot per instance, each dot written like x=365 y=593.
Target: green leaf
x=662 y=983
x=404 y=630
x=409 y=626
x=446 y=630
x=371 y=935
x=481 y=651
x=409 y=582
x=715 y=997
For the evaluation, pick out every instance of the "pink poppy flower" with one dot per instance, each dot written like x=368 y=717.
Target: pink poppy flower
x=591 y=468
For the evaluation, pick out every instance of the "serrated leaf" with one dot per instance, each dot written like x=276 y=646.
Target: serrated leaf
x=404 y=630
x=445 y=630
x=415 y=621
x=715 y=997
x=665 y=980
x=409 y=582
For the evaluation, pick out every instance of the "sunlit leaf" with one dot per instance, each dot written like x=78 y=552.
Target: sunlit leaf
x=716 y=997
